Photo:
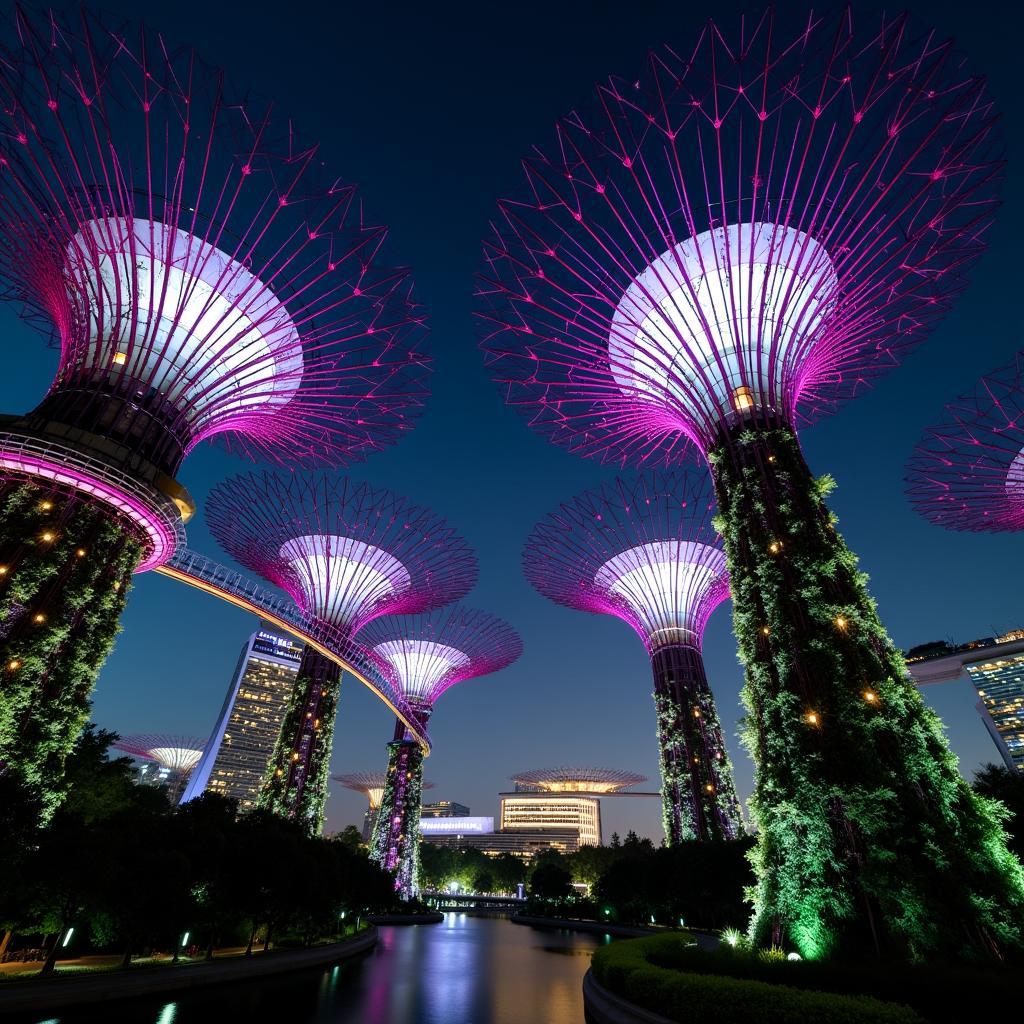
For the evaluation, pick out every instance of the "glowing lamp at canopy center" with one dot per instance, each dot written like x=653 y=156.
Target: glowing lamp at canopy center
x=664 y=583
x=421 y=665
x=177 y=313
x=341 y=578
x=721 y=324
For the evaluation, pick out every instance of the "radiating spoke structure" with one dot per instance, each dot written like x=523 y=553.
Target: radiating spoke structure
x=175 y=757
x=371 y=785
x=427 y=655
x=646 y=552
x=204 y=277
x=719 y=248
x=346 y=553
x=967 y=473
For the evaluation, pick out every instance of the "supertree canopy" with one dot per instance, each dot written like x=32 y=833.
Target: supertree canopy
x=346 y=553
x=203 y=276
x=577 y=780
x=646 y=551
x=371 y=785
x=730 y=243
x=177 y=755
x=427 y=654
x=967 y=473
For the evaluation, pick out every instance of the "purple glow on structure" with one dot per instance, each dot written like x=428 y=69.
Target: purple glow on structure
x=176 y=753
x=429 y=654
x=345 y=552
x=370 y=784
x=191 y=255
x=967 y=473
x=158 y=533
x=643 y=550
x=754 y=227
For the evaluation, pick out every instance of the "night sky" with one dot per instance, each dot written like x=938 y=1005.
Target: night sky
x=429 y=108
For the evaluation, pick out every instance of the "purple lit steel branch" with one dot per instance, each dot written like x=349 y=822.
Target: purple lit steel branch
x=201 y=271
x=759 y=225
x=646 y=551
x=427 y=654
x=967 y=473
x=175 y=753
x=345 y=552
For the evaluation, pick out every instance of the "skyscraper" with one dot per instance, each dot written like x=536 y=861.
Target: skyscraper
x=1000 y=684
x=995 y=665
x=239 y=749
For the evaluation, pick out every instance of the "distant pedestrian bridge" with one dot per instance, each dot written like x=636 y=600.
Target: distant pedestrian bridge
x=465 y=901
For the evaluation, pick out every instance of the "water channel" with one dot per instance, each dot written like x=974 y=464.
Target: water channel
x=467 y=970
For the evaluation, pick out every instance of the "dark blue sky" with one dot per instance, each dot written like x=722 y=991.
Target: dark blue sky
x=429 y=107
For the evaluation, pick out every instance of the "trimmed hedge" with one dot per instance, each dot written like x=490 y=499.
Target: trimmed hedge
x=943 y=994
x=626 y=968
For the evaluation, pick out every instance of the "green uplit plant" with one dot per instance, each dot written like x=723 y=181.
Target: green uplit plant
x=65 y=572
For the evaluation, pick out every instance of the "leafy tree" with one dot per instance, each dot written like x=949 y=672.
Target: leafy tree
x=1007 y=786
x=550 y=881
x=484 y=882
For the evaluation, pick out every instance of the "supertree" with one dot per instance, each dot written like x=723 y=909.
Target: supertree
x=346 y=553
x=645 y=551
x=177 y=755
x=728 y=245
x=427 y=655
x=967 y=473
x=371 y=785
x=203 y=278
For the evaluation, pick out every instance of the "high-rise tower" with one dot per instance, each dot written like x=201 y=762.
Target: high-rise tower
x=235 y=758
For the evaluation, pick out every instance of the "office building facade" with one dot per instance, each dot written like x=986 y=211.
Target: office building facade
x=240 y=747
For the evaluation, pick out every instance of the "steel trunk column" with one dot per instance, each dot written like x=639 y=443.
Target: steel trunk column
x=296 y=782
x=698 y=797
x=396 y=833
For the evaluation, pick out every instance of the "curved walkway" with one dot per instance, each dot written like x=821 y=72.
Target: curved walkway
x=34 y=994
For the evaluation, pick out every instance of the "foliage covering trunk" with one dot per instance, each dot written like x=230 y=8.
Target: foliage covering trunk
x=871 y=843
x=295 y=785
x=67 y=568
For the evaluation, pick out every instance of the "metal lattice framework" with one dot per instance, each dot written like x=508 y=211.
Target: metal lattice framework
x=644 y=550
x=584 y=780
x=345 y=552
x=759 y=225
x=428 y=654
x=967 y=473
x=203 y=274
x=370 y=784
x=176 y=753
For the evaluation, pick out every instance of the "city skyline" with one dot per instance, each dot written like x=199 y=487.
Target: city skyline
x=929 y=583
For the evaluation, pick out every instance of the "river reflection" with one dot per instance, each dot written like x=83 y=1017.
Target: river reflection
x=467 y=970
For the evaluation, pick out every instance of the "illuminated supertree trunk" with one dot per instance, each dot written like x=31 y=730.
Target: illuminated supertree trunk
x=224 y=289
x=647 y=552
x=296 y=780
x=698 y=796
x=65 y=572
x=396 y=834
x=735 y=240
x=425 y=655
x=347 y=554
